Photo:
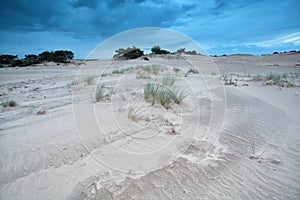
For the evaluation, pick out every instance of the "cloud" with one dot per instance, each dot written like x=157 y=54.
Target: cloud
x=291 y=39
x=211 y=23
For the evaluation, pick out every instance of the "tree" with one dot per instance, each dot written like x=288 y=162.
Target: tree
x=46 y=56
x=129 y=53
x=31 y=58
x=180 y=51
x=7 y=59
x=158 y=50
x=193 y=52
x=63 y=56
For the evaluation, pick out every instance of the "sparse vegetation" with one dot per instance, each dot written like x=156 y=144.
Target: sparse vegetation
x=122 y=71
x=142 y=75
x=99 y=94
x=89 y=79
x=10 y=103
x=102 y=92
x=180 y=95
x=176 y=69
x=168 y=80
x=282 y=80
x=164 y=93
x=133 y=112
x=154 y=69
x=73 y=83
x=228 y=80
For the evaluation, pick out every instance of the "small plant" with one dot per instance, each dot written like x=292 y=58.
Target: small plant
x=89 y=79
x=133 y=112
x=227 y=80
x=180 y=95
x=258 y=77
x=274 y=77
x=73 y=83
x=10 y=103
x=142 y=75
x=105 y=74
x=154 y=69
x=151 y=92
x=122 y=71
x=99 y=95
x=165 y=96
x=176 y=69
x=192 y=70
x=168 y=80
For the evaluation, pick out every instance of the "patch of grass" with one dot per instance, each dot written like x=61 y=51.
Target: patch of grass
x=168 y=80
x=180 y=95
x=10 y=103
x=142 y=75
x=227 y=80
x=176 y=70
x=193 y=71
x=100 y=92
x=89 y=79
x=258 y=78
x=282 y=80
x=122 y=71
x=133 y=112
x=151 y=92
x=73 y=83
x=163 y=94
x=105 y=74
x=154 y=69
x=274 y=77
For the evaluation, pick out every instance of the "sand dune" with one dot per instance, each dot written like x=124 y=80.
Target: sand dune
x=236 y=141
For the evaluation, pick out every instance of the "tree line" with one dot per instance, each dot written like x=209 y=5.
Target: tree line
x=60 y=56
x=134 y=52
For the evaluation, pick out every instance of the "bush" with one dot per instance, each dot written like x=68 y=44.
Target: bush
x=127 y=54
x=10 y=103
x=158 y=50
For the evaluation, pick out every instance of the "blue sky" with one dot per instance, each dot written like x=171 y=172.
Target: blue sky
x=219 y=26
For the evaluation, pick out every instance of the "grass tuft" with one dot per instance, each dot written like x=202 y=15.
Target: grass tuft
x=168 y=80
x=99 y=95
x=89 y=79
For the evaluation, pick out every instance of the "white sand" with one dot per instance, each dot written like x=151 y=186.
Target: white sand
x=232 y=142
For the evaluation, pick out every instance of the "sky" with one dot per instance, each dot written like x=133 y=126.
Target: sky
x=218 y=26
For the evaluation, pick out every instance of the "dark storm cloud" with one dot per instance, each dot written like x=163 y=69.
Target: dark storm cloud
x=86 y=18
x=212 y=23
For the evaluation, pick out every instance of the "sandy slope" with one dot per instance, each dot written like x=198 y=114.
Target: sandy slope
x=88 y=150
